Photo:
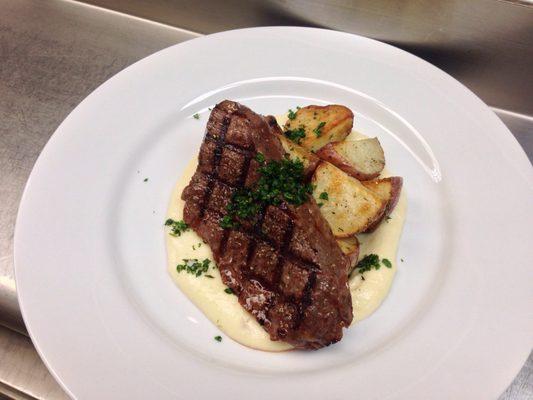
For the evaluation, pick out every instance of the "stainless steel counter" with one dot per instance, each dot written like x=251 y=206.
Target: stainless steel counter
x=54 y=53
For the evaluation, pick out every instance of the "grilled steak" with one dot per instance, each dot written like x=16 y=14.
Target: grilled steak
x=284 y=263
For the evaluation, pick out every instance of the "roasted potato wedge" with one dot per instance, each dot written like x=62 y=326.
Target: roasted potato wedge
x=350 y=248
x=388 y=190
x=363 y=159
x=295 y=151
x=348 y=206
x=315 y=126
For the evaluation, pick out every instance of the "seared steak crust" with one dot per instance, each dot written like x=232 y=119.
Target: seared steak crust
x=284 y=264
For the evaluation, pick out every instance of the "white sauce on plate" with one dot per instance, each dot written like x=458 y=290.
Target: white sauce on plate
x=225 y=311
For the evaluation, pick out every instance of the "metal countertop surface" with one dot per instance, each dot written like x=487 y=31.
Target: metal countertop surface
x=52 y=55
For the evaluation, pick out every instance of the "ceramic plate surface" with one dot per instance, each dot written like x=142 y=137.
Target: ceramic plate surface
x=89 y=244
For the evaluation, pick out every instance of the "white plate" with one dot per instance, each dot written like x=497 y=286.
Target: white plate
x=90 y=254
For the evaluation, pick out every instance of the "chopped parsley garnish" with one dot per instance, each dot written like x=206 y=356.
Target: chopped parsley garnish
x=296 y=135
x=282 y=180
x=318 y=130
x=227 y=222
x=323 y=196
x=209 y=276
x=371 y=261
x=228 y=290
x=145 y=180
x=279 y=181
x=243 y=203
x=260 y=157
x=291 y=115
x=387 y=218
x=320 y=204
x=368 y=262
x=218 y=338
x=176 y=227
x=193 y=266
x=196 y=116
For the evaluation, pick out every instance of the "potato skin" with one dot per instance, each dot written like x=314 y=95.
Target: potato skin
x=389 y=190
x=337 y=119
x=331 y=154
x=397 y=184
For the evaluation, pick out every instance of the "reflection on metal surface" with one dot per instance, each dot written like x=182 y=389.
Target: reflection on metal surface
x=522 y=2
x=144 y=21
x=22 y=373
x=521 y=126
x=7 y=283
x=53 y=54
x=486 y=44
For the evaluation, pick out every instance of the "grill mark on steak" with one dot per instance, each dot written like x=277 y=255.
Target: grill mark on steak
x=285 y=265
x=306 y=298
x=219 y=142
x=284 y=251
x=216 y=133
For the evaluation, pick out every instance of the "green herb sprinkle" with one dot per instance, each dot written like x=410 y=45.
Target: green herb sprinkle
x=291 y=115
x=296 y=135
x=372 y=261
x=318 y=130
x=176 y=227
x=279 y=181
x=193 y=266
